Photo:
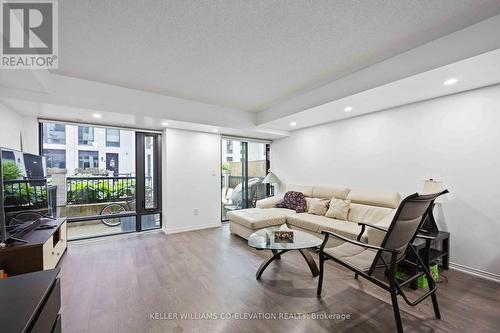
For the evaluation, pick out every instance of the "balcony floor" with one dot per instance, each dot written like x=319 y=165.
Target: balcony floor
x=92 y=229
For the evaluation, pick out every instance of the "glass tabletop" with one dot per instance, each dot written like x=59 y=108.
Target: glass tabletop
x=264 y=239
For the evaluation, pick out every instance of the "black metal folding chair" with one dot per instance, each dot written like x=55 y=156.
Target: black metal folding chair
x=363 y=259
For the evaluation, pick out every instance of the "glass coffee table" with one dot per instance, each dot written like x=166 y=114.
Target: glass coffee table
x=264 y=240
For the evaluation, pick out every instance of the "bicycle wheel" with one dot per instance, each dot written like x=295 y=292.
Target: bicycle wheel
x=111 y=209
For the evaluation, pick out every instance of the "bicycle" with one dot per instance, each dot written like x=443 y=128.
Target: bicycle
x=114 y=208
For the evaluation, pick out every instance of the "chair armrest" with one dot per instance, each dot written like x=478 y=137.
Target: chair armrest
x=425 y=237
x=345 y=239
x=268 y=202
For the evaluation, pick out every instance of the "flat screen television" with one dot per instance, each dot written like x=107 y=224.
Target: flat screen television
x=23 y=186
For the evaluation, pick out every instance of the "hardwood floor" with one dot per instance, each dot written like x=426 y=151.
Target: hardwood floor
x=116 y=284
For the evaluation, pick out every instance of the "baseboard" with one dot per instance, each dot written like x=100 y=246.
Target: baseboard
x=169 y=231
x=475 y=272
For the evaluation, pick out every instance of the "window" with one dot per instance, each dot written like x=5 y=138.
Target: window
x=229 y=147
x=88 y=159
x=150 y=174
x=148 y=165
x=113 y=173
x=56 y=158
x=112 y=137
x=54 y=133
x=85 y=135
x=242 y=174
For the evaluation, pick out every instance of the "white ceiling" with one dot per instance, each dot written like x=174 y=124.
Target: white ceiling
x=479 y=71
x=475 y=72
x=247 y=55
x=101 y=72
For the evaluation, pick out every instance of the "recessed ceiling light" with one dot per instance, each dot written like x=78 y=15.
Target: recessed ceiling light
x=164 y=123
x=348 y=109
x=450 y=82
x=96 y=115
x=293 y=123
x=215 y=130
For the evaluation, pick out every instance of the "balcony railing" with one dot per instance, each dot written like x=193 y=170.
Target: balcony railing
x=87 y=190
x=25 y=194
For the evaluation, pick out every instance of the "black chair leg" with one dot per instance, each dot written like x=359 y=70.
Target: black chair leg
x=321 y=267
x=435 y=305
x=395 y=308
x=356 y=276
x=391 y=274
x=431 y=283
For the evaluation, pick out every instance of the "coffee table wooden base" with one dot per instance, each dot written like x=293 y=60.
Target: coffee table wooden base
x=277 y=255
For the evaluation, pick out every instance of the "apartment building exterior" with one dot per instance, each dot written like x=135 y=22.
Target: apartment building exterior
x=77 y=148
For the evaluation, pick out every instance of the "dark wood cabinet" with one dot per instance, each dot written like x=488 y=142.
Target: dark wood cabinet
x=43 y=250
x=31 y=303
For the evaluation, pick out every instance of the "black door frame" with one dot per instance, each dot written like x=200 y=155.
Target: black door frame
x=244 y=166
x=137 y=214
x=140 y=171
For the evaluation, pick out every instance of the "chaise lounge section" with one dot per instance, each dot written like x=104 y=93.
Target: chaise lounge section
x=367 y=206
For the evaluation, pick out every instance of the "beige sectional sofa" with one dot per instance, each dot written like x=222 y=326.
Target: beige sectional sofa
x=368 y=206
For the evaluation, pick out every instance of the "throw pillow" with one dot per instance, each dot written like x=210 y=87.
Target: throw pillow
x=318 y=206
x=338 y=209
x=293 y=200
x=308 y=203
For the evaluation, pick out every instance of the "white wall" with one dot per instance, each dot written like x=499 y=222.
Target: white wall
x=454 y=138
x=191 y=180
x=11 y=125
x=15 y=128
x=30 y=135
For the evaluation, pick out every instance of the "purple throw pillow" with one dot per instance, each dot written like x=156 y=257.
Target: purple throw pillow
x=293 y=200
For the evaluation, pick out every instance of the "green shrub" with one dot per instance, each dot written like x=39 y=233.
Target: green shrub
x=226 y=166
x=93 y=190
x=23 y=193
x=10 y=170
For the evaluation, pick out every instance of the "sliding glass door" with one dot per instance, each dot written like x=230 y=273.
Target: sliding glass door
x=106 y=180
x=244 y=164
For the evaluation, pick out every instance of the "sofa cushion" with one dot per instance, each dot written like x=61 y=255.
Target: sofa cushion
x=375 y=237
x=317 y=206
x=374 y=198
x=269 y=202
x=256 y=218
x=329 y=192
x=368 y=214
x=339 y=209
x=304 y=189
x=309 y=221
x=318 y=224
x=293 y=200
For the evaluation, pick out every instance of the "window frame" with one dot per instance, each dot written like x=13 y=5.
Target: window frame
x=139 y=149
x=244 y=159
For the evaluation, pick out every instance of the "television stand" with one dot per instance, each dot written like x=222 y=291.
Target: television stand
x=39 y=249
